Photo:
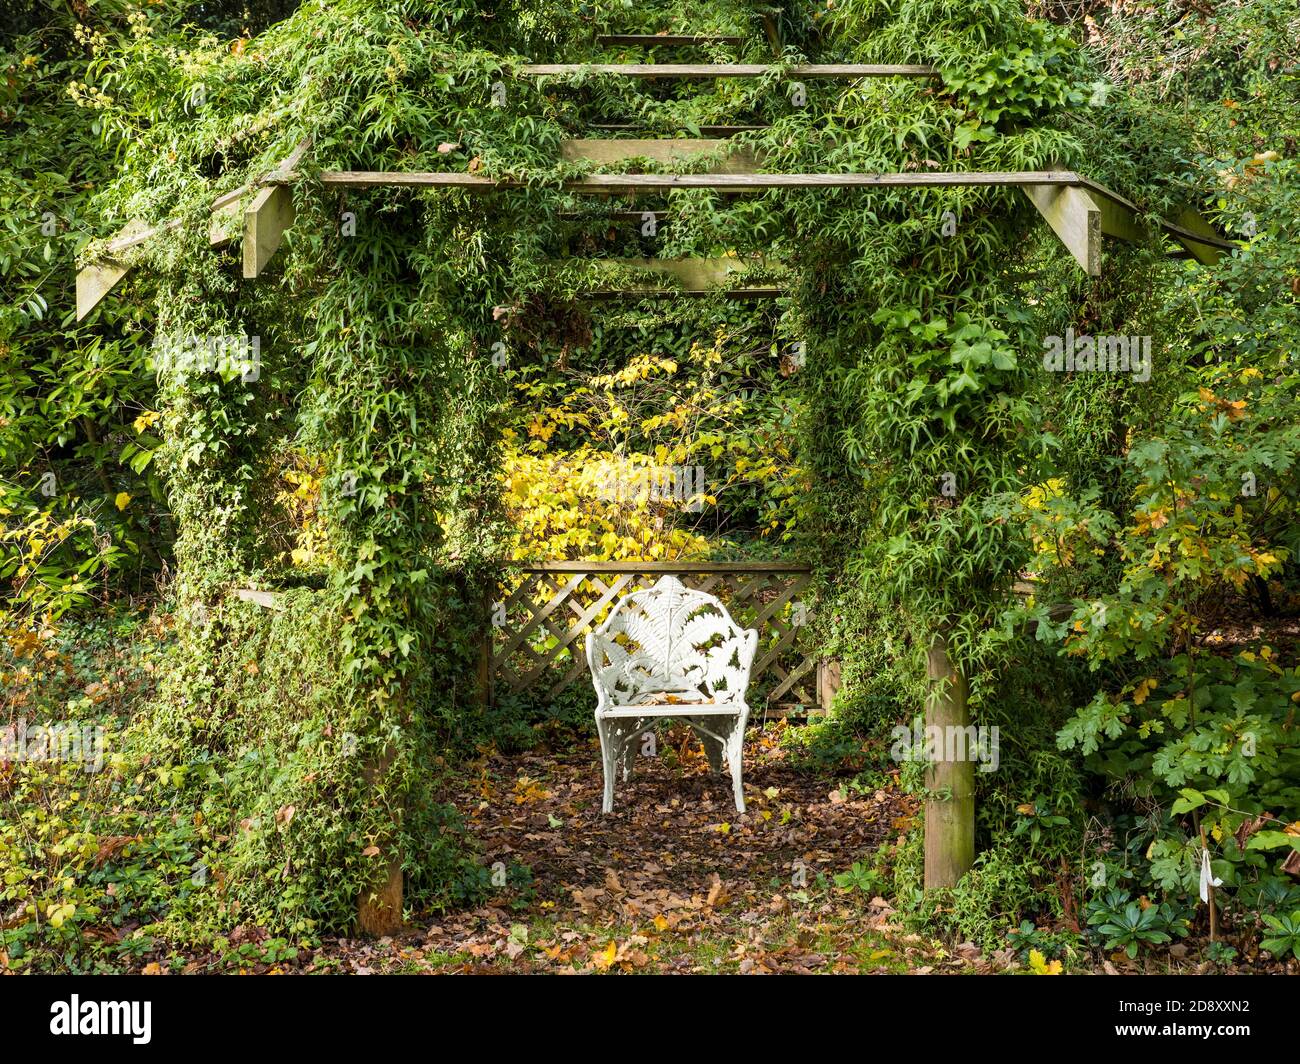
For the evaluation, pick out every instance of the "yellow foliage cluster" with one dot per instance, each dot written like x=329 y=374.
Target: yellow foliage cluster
x=556 y=507
x=651 y=415
x=301 y=501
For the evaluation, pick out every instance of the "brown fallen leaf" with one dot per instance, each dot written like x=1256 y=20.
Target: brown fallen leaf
x=718 y=895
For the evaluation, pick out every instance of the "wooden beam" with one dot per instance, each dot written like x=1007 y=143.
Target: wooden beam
x=731 y=70
x=1075 y=217
x=614 y=183
x=265 y=221
x=94 y=282
x=269 y=600
x=665 y=40
x=96 y=279
x=1205 y=253
x=226 y=223
x=704 y=131
x=694 y=275
x=1120 y=222
x=1118 y=215
x=1125 y=220
x=737 y=160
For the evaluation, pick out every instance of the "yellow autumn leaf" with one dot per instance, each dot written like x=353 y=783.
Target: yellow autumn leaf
x=1143 y=690
x=58 y=914
x=1039 y=965
x=605 y=958
x=122 y=501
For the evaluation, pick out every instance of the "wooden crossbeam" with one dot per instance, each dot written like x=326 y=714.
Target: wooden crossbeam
x=737 y=160
x=94 y=282
x=704 y=131
x=97 y=279
x=731 y=70
x=265 y=221
x=1207 y=250
x=614 y=183
x=1118 y=216
x=694 y=275
x=665 y=40
x=1075 y=217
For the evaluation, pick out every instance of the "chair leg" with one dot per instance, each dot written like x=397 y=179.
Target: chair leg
x=630 y=748
x=608 y=749
x=735 y=761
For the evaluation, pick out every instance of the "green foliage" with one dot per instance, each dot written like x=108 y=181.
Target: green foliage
x=1283 y=934
x=859 y=877
x=1122 y=923
x=920 y=456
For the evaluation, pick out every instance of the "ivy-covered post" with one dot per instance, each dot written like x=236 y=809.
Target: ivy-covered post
x=379 y=905
x=950 y=775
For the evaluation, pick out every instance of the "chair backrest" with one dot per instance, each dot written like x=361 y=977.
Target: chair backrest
x=670 y=639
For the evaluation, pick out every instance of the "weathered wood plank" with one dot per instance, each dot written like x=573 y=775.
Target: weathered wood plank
x=731 y=70
x=1119 y=216
x=694 y=275
x=665 y=40
x=1206 y=253
x=1201 y=232
x=950 y=785
x=1075 y=217
x=266 y=599
x=739 y=159
x=227 y=222
x=613 y=183
x=265 y=221
x=95 y=280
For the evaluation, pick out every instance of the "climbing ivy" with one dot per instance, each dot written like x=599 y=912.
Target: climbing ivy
x=396 y=328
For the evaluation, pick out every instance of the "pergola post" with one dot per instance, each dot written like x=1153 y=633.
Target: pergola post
x=950 y=784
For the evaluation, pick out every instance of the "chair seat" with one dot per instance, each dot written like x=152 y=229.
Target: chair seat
x=676 y=709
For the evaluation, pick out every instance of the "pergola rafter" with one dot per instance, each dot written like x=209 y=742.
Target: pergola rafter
x=1079 y=210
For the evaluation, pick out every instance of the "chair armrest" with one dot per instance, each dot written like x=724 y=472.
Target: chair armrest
x=595 y=662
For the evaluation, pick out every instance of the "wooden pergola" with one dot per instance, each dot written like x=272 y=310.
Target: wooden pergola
x=1080 y=211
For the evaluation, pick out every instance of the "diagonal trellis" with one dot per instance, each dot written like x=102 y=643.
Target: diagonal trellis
x=542 y=615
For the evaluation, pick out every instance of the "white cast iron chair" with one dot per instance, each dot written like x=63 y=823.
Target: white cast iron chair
x=671 y=652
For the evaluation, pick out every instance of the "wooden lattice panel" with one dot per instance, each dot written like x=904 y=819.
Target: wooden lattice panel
x=540 y=620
